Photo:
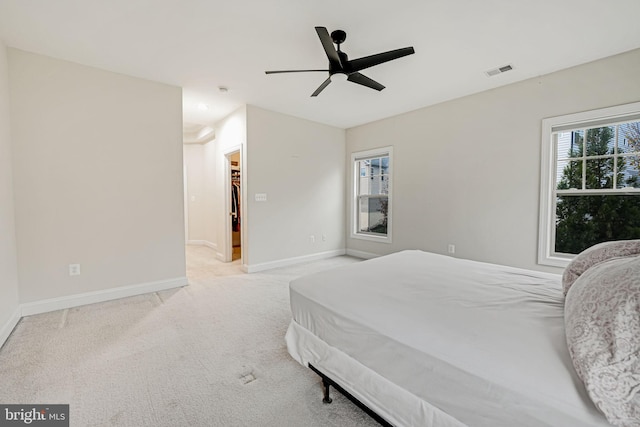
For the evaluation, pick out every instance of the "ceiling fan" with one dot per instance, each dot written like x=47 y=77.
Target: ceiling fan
x=339 y=63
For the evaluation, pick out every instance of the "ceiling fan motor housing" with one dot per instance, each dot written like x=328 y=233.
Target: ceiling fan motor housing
x=338 y=36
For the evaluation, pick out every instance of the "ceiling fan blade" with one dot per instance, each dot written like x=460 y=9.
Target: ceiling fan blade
x=329 y=48
x=379 y=58
x=321 y=87
x=363 y=80
x=293 y=71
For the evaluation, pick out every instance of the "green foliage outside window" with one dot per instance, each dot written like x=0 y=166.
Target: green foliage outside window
x=583 y=220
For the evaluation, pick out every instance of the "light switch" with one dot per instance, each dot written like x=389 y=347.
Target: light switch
x=261 y=197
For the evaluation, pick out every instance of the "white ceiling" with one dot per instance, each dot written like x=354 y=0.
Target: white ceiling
x=203 y=44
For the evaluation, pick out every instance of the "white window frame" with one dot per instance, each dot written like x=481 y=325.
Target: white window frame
x=355 y=157
x=603 y=116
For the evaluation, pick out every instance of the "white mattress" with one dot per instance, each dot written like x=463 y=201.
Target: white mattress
x=426 y=339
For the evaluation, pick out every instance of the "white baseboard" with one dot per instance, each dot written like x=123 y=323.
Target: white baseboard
x=292 y=261
x=361 y=254
x=7 y=328
x=203 y=243
x=209 y=244
x=61 y=303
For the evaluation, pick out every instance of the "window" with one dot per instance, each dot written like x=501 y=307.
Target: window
x=590 y=190
x=372 y=194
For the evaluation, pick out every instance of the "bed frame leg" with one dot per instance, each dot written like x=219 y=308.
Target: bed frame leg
x=326 y=399
x=326 y=382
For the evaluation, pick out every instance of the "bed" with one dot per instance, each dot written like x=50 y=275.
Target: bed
x=422 y=339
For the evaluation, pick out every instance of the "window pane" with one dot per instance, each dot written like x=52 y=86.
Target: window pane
x=378 y=185
x=385 y=165
x=372 y=215
x=364 y=167
x=583 y=221
x=629 y=137
x=629 y=171
x=569 y=174
x=373 y=185
x=375 y=166
x=600 y=141
x=384 y=184
x=365 y=185
x=612 y=141
x=599 y=173
x=372 y=196
x=569 y=144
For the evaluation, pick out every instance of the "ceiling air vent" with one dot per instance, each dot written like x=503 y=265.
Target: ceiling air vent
x=499 y=70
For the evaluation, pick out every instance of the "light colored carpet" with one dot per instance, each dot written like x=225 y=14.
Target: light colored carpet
x=209 y=354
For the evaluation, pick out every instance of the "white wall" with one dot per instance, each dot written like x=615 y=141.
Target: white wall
x=97 y=160
x=300 y=165
x=467 y=171
x=194 y=167
x=9 y=311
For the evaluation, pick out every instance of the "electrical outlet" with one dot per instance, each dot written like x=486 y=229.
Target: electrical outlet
x=312 y=238
x=451 y=249
x=324 y=237
x=74 y=269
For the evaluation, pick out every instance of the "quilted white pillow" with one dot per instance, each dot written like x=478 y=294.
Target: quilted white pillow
x=602 y=320
x=595 y=254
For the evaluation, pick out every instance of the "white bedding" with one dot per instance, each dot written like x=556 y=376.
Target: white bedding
x=426 y=339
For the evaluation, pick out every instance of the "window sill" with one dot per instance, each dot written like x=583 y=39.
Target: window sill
x=371 y=238
x=555 y=261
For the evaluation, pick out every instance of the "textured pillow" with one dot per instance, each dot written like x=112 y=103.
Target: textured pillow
x=595 y=254
x=602 y=320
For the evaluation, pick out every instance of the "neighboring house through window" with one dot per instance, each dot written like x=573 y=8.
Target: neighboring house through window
x=371 y=218
x=590 y=190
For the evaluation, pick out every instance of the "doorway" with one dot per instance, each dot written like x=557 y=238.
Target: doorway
x=234 y=229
